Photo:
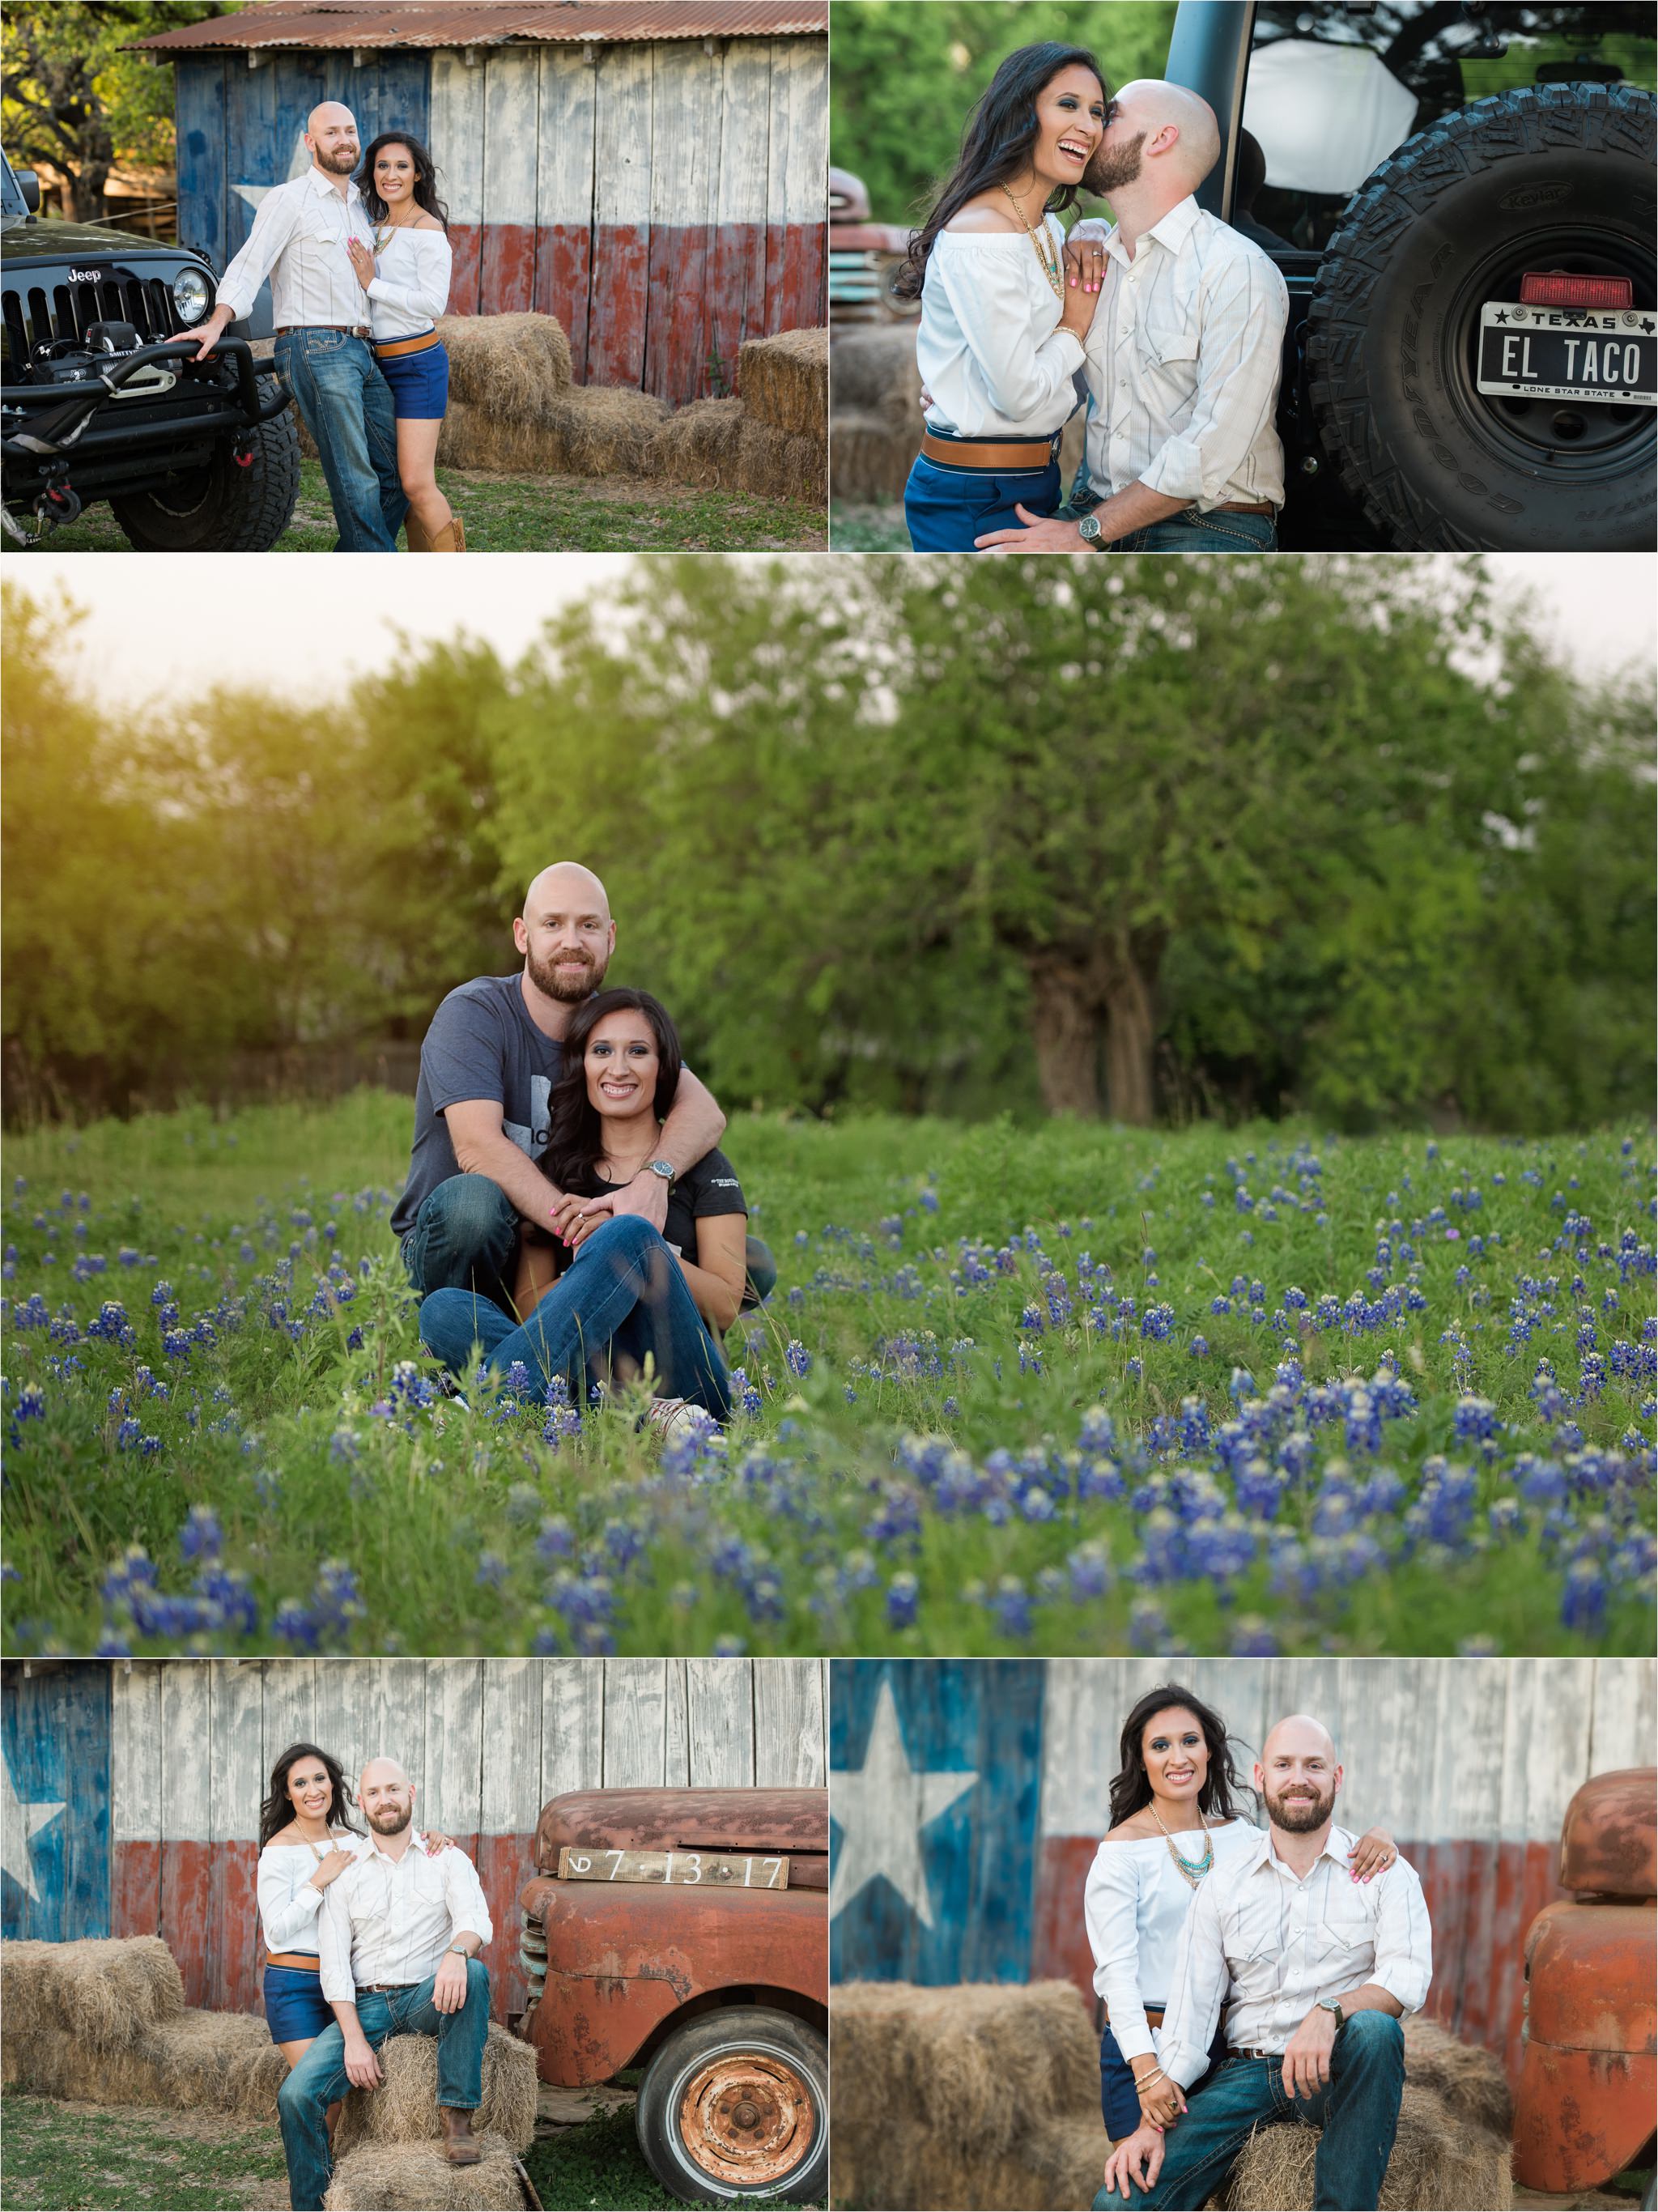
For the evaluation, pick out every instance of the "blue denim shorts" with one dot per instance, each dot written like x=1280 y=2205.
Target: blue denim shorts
x=945 y=509
x=419 y=383
x=295 y=2007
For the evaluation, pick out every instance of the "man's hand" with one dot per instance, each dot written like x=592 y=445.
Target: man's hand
x=449 y=1983
x=208 y=334
x=362 y=2069
x=1307 y=2058
x=647 y=1195
x=1138 y=2157
x=1041 y=534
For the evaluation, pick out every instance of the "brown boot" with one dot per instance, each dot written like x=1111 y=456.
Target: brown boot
x=451 y=539
x=460 y=2145
x=417 y=539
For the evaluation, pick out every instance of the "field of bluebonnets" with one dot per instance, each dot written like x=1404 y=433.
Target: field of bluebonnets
x=1063 y=1389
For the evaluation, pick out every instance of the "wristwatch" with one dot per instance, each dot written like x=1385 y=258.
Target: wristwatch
x=666 y=1169
x=1089 y=531
x=460 y=1950
x=1333 y=2005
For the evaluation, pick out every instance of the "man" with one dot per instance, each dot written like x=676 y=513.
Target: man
x=1315 y=1970
x=298 y=240
x=1183 y=357
x=398 y=1941
x=487 y=1069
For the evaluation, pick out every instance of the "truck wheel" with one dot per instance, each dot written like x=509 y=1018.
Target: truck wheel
x=736 y=2105
x=1552 y=177
x=222 y=507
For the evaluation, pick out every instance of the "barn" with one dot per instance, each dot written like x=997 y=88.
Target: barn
x=654 y=173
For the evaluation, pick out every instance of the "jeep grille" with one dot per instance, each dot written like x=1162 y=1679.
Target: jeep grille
x=35 y=315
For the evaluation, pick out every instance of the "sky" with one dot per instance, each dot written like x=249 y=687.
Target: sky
x=174 y=622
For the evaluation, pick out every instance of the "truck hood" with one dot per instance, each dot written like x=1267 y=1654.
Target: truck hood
x=32 y=239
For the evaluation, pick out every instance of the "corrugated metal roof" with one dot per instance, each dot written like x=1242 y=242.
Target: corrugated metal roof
x=382 y=23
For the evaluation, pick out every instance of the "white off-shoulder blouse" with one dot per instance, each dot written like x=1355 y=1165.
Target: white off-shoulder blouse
x=410 y=286
x=989 y=345
x=288 y=1905
x=1135 y=1906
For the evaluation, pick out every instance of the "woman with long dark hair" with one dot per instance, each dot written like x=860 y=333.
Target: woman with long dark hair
x=619 y=1292
x=1001 y=333
x=1178 y=1809
x=407 y=280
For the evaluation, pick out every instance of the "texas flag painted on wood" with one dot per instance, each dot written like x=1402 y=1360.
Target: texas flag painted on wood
x=54 y=1804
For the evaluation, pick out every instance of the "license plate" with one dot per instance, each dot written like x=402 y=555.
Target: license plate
x=1569 y=353
x=705 y=1870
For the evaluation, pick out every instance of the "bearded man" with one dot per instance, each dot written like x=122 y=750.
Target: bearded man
x=1315 y=1970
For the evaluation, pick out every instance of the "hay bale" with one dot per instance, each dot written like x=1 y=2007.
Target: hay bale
x=404 y=2108
x=605 y=430
x=511 y=364
x=784 y=381
x=875 y=390
x=1438 y=2165
x=215 y=2062
x=105 y=1991
x=717 y=442
x=415 y=2177
x=985 y=2076
x=1467 y=2079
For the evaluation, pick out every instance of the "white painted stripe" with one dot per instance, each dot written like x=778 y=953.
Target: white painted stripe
x=623 y=137
x=453 y=1782
x=136 y=1752
x=457 y=125
x=511 y=1741
x=512 y=134
x=236 y=1779
x=799 y=139
x=572 y=1726
x=744 y=131
x=685 y=103
x=564 y=176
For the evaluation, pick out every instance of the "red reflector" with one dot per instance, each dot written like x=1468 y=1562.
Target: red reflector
x=1555 y=288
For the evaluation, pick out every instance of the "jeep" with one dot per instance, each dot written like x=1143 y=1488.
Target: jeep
x=101 y=399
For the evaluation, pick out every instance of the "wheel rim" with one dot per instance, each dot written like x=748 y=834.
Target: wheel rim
x=1567 y=443
x=747 y=2119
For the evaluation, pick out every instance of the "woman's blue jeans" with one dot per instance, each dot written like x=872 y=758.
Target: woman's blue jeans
x=623 y=1293
x=346 y=404
x=320 y=2078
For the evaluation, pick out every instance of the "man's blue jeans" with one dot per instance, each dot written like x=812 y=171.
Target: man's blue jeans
x=346 y=404
x=1357 y=2110
x=1193 y=532
x=320 y=2078
x=622 y=1293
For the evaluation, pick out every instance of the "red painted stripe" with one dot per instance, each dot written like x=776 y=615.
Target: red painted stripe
x=563 y=273
x=135 y=1887
x=466 y=245
x=620 y=303
x=187 y=1923
x=505 y=1863
x=507 y=277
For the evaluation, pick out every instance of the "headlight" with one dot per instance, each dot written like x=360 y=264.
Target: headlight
x=191 y=295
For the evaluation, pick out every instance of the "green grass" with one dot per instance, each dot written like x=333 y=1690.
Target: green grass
x=990 y=1406
x=67 y=2157
x=597 y=2163
x=541 y=515
x=868 y=529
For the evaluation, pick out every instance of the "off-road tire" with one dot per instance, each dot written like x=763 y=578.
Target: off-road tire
x=1513 y=180
x=227 y=509
x=799 y=2053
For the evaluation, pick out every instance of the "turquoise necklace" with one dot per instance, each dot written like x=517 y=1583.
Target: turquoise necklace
x=1193 y=1870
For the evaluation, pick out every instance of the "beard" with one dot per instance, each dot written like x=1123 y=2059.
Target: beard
x=1112 y=167
x=570 y=989
x=392 y=1821
x=1298 y=1816
x=340 y=162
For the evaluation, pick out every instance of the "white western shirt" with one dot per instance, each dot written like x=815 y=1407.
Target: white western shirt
x=392 y=1920
x=989 y=346
x=1183 y=361
x=1135 y=1906
x=410 y=288
x=289 y=1903
x=1269 y=1946
x=298 y=241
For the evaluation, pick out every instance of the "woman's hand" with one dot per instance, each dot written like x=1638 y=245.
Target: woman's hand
x=436 y=1843
x=331 y=1868
x=1085 y=263
x=361 y=260
x=1373 y=1854
x=1138 y=2157
x=1161 y=2102
x=1077 y=312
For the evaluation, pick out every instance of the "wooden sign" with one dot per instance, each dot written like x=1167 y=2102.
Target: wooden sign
x=712 y=1870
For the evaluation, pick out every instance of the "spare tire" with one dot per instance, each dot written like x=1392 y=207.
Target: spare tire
x=1553 y=177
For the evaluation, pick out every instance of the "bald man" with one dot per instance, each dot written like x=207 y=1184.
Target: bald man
x=487 y=1070
x=301 y=239
x=397 y=1943
x=1314 y=1968
x=1183 y=357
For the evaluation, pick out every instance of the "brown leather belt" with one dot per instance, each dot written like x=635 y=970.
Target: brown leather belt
x=299 y=1962
x=1247 y=2053
x=298 y=330
x=1236 y=507
x=1153 y=2016
x=396 y=346
x=387 y=1989
x=1003 y=457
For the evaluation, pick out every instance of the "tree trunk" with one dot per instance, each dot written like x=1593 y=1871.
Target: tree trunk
x=1130 y=1030
x=1097 y=1002
x=1066 y=1020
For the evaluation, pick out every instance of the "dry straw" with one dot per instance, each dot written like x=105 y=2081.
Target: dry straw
x=717 y=442
x=784 y=381
x=511 y=364
x=1437 y=2166
x=404 y=2109
x=876 y=389
x=415 y=2177
x=105 y=1991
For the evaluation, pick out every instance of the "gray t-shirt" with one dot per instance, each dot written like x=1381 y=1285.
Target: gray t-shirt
x=482 y=1044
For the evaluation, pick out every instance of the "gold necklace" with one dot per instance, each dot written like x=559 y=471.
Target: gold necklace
x=1046 y=253
x=1194 y=1869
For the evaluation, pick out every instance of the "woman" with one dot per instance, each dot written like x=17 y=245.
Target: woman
x=1175 y=1815
x=306 y=1841
x=1001 y=333
x=407 y=280
x=618 y=1291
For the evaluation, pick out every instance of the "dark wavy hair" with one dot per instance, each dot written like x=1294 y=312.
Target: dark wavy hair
x=425 y=191
x=576 y=1130
x=1132 y=1786
x=996 y=145
x=278 y=1810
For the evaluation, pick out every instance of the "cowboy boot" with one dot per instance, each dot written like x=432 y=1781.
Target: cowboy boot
x=451 y=539
x=415 y=534
x=460 y=2145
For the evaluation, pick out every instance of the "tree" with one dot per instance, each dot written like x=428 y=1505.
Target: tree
x=77 y=99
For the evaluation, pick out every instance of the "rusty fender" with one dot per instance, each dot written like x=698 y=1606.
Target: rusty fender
x=794 y=1821
x=1588 y=2082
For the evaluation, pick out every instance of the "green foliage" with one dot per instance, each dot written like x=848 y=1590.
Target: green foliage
x=906 y=77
